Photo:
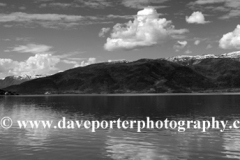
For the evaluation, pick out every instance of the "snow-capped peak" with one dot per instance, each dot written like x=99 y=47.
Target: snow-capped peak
x=24 y=77
x=199 y=57
x=235 y=54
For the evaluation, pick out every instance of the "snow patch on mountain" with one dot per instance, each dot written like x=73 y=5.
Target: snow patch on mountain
x=235 y=54
x=15 y=80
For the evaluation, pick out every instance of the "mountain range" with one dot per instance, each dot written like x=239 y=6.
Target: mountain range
x=181 y=74
x=187 y=58
x=15 y=80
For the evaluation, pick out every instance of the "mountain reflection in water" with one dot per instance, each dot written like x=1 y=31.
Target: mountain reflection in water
x=119 y=144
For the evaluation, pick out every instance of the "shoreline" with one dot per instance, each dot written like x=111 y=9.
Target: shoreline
x=127 y=94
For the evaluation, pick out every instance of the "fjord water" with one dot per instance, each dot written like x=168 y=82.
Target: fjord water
x=119 y=144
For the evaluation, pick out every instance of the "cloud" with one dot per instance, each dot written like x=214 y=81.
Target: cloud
x=140 y=4
x=209 y=46
x=55 y=21
x=209 y=1
x=103 y=32
x=188 y=52
x=230 y=6
x=232 y=13
x=3 y=4
x=40 y=1
x=75 y=63
x=24 y=39
x=231 y=40
x=97 y=4
x=25 y=17
x=7 y=64
x=120 y=16
x=79 y=62
x=39 y=64
x=88 y=62
x=196 y=17
x=6 y=39
x=48 y=20
x=227 y=3
x=22 y=8
x=147 y=29
x=197 y=42
x=180 y=45
x=58 y=5
x=43 y=62
x=44 y=20
x=102 y=4
x=31 y=48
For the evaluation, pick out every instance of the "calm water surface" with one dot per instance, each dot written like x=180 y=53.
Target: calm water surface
x=115 y=144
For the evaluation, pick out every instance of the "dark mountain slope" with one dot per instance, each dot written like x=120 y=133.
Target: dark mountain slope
x=140 y=76
x=225 y=72
x=12 y=80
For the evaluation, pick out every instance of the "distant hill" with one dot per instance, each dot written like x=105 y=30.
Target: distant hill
x=15 y=80
x=223 y=69
x=224 y=72
x=174 y=75
x=142 y=76
x=190 y=58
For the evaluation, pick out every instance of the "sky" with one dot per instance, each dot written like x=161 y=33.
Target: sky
x=44 y=37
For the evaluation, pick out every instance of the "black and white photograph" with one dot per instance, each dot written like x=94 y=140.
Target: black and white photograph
x=119 y=79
